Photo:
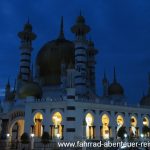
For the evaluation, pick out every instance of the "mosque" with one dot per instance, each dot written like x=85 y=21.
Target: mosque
x=58 y=94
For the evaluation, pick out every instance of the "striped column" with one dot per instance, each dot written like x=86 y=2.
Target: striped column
x=26 y=36
x=81 y=68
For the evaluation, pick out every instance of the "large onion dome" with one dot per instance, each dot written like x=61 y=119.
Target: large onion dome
x=115 y=88
x=30 y=89
x=50 y=57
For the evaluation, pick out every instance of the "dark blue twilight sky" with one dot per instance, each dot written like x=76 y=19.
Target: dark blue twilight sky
x=120 y=29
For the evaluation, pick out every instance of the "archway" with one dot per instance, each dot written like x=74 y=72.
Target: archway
x=146 y=129
x=57 y=128
x=105 y=130
x=38 y=127
x=133 y=127
x=16 y=129
x=89 y=126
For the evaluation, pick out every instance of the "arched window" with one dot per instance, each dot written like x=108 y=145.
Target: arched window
x=146 y=129
x=89 y=126
x=145 y=121
x=57 y=128
x=120 y=127
x=38 y=128
x=133 y=127
x=105 y=131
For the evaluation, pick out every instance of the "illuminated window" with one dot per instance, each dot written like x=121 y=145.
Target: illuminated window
x=89 y=126
x=38 y=128
x=133 y=129
x=105 y=127
x=57 y=130
x=120 y=120
x=145 y=121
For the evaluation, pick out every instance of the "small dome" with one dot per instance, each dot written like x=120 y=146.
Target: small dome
x=145 y=101
x=115 y=89
x=30 y=89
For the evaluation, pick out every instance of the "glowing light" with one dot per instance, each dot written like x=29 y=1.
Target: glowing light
x=125 y=135
x=8 y=135
x=142 y=135
x=32 y=135
x=58 y=135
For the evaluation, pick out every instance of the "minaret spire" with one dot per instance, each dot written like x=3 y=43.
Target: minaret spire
x=61 y=34
x=115 y=80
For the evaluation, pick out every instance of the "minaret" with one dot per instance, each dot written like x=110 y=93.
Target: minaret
x=91 y=51
x=80 y=29
x=26 y=36
x=115 y=79
x=61 y=34
x=105 y=85
x=7 y=90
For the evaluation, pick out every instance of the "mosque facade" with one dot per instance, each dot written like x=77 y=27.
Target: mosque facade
x=58 y=94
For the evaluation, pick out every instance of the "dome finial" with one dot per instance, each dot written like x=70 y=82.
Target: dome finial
x=28 y=20
x=61 y=34
x=105 y=78
x=80 y=12
x=8 y=83
x=15 y=85
x=115 y=80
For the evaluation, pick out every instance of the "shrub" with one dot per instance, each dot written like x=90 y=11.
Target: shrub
x=25 y=138
x=45 y=138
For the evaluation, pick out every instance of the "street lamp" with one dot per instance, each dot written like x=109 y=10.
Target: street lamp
x=8 y=135
x=32 y=135
x=142 y=135
x=32 y=140
x=125 y=135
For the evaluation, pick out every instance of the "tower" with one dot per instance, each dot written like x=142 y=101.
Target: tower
x=91 y=52
x=26 y=36
x=80 y=29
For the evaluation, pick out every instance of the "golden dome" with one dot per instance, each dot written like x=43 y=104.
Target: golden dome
x=50 y=57
x=30 y=89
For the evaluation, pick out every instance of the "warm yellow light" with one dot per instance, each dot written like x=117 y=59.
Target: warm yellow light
x=89 y=119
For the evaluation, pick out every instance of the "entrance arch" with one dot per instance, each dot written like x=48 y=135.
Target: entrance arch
x=38 y=127
x=133 y=127
x=16 y=129
x=105 y=131
x=57 y=128
x=89 y=126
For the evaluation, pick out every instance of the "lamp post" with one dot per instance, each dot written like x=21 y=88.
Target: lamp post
x=125 y=136
x=7 y=140
x=32 y=141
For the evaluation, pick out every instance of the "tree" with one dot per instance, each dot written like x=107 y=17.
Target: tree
x=45 y=139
